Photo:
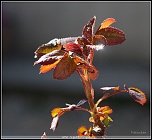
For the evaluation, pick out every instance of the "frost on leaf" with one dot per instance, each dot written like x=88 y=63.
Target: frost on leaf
x=103 y=89
x=99 y=42
x=54 y=123
x=50 y=58
x=137 y=95
x=49 y=47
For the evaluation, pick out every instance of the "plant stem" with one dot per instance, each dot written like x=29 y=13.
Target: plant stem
x=89 y=91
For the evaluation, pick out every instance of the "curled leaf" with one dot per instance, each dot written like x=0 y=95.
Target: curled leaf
x=113 y=36
x=137 y=95
x=54 y=123
x=88 y=30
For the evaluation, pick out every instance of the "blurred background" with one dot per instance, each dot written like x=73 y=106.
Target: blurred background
x=28 y=97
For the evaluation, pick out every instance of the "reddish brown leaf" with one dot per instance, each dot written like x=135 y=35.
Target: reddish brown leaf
x=99 y=41
x=49 y=47
x=65 y=68
x=73 y=47
x=137 y=95
x=50 y=58
x=88 y=30
x=82 y=64
x=107 y=22
x=113 y=36
x=46 y=68
x=54 y=123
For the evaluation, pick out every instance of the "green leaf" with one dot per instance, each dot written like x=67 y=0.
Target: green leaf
x=106 y=121
x=64 y=68
x=113 y=36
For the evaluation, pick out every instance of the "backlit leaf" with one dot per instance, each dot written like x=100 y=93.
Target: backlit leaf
x=55 y=112
x=113 y=36
x=49 y=47
x=88 y=30
x=73 y=47
x=65 y=68
x=105 y=110
x=82 y=131
x=137 y=95
x=107 y=22
x=50 y=58
x=46 y=68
